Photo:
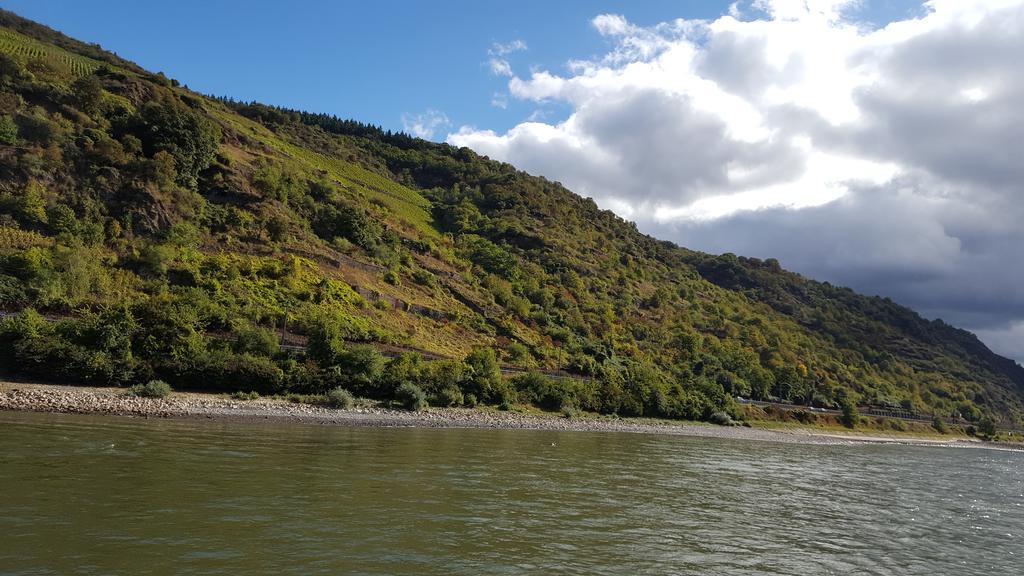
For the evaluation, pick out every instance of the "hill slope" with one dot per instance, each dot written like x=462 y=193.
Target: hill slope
x=186 y=237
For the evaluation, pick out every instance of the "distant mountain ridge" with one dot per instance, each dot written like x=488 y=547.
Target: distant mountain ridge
x=154 y=217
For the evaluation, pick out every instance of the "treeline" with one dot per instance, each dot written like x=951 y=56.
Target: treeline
x=162 y=340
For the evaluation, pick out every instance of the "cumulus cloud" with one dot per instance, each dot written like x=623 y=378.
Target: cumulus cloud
x=425 y=124
x=884 y=158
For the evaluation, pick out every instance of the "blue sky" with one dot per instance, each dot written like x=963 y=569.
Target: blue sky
x=372 y=61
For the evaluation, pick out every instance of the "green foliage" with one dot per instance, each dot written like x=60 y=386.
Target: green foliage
x=348 y=222
x=8 y=131
x=361 y=369
x=450 y=396
x=987 y=427
x=411 y=397
x=87 y=93
x=483 y=377
x=489 y=256
x=326 y=343
x=340 y=398
x=171 y=126
x=240 y=395
x=256 y=341
x=151 y=389
x=848 y=412
x=939 y=425
x=31 y=206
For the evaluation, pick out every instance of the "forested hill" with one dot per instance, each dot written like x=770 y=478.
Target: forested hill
x=147 y=231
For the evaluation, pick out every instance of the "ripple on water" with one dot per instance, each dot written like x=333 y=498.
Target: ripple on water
x=117 y=495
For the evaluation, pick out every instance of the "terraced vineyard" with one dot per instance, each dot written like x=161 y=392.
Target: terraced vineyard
x=22 y=46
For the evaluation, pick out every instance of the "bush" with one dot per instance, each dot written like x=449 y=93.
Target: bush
x=151 y=389
x=251 y=395
x=224 y=371
x=256 y=341
x=722 y=419
x=411 y=397
x=340 y=398
x=450 y=396
x=939 y=425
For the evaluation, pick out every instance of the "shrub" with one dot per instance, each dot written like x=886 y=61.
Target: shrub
x=340 y=398
x=722 y=419
x=939 y=425
x=8 y=131
x=224 y=371
x=483 y=376
x=251 y=395
x=450 y=396
x=544 y=392
x=803 y=416
x=256 y=341
x=151 y=389
x=411 y=397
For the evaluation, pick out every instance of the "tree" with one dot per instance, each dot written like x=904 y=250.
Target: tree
x=277 y=228
x=171 y=127
x=483 y=377
x=87 y=93
x=62 y=220
x=362 y=367
x=987 y=427
x=326 y=344
x=849 y=414
x=31 y=206
x=8 y=131
x=160 y=169
x=347 y=222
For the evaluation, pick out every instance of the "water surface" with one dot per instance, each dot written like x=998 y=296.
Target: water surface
x=106 y=495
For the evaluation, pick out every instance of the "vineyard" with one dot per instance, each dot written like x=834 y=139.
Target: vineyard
x=22 y=46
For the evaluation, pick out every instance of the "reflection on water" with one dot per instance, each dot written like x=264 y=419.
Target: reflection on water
x=93 y=495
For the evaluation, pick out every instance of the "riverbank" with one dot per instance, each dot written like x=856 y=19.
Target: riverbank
x=36 y=397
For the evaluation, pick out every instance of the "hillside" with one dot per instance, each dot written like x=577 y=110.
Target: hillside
x=150 y=231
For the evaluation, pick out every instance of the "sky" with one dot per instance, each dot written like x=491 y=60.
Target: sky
x=877 y=144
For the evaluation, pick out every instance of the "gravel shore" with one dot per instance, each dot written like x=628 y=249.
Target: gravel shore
x=33 y=397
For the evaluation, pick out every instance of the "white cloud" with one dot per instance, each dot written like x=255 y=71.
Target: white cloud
x=887 y=158
x=499 y=100
x=424 y=125
x=498 y=64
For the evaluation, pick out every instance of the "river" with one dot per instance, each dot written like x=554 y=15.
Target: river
x=110 y=495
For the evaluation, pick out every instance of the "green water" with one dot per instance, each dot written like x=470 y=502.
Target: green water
x=92 y=495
